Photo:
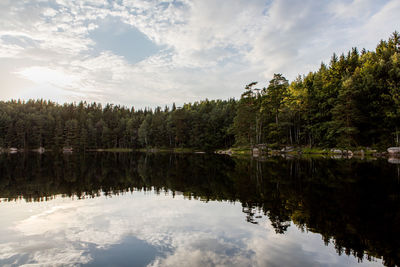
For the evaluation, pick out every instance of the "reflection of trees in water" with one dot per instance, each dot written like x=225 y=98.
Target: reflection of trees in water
x=353 y=204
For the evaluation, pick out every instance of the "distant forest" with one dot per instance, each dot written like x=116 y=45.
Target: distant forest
x=354 y=101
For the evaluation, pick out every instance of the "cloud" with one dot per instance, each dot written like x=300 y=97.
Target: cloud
x=48 y=76
x=206 y=48
x=71 y=232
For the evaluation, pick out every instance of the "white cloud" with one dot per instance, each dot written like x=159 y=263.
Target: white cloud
x=56 y=78
x=9 y=51
x=355 y=9
x=210 y=48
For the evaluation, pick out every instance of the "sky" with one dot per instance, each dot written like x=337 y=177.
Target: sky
x=146 y=53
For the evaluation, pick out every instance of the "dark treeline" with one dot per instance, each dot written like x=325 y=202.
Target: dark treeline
x=353 y=101
x=352 y=204
x=46 y=124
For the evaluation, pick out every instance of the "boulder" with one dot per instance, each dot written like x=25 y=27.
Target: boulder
x=336 y=151
x=256 y=152
x=225 y=152
x=394 y=160
x=393 y=150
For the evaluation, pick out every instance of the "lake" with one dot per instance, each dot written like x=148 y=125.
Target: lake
x=137 y=209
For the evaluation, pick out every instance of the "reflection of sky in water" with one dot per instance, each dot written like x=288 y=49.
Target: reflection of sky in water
x=143 y=228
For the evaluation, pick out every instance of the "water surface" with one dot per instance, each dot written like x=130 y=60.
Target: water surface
x=127 y=209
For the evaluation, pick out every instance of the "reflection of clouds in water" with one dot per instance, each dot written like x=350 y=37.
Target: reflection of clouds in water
x=206 y=251
x=296 y=248
x=185 y=233
x=61 y=256
x=42 y=252
x=183 y=257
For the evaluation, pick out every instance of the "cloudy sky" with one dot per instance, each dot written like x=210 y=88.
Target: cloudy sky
x=153 y=52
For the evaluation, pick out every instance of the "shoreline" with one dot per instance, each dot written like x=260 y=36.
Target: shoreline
x=254 y=152
x=116 y=150
x=310 y=152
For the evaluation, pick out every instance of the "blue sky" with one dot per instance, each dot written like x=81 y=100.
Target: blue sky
x=123 y=40
x=147 y=53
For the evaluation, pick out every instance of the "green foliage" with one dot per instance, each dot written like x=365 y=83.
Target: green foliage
x=245 y=122
x=355 y=101
x=28 y=125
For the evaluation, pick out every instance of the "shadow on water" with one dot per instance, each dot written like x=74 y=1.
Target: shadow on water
x=353 y=204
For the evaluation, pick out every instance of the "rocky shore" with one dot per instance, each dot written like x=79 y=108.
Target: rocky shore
x=392 y=153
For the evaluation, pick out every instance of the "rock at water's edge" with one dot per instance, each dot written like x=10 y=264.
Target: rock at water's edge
x=393 y=150
x=394 y=160
x=336 y=151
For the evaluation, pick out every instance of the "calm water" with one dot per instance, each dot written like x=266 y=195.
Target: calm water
x=128 y=209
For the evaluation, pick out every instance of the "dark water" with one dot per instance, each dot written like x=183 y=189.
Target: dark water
x=127 y=209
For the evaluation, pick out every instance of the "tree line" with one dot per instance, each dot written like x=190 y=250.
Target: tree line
x=353 y=101
x=82 y=126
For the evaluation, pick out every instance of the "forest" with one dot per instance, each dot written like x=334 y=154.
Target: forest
x=353 y=101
